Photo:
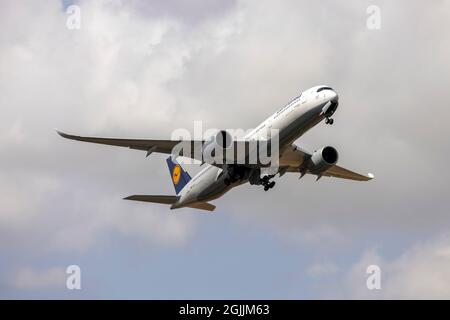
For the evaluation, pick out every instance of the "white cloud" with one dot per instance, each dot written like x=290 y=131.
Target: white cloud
x=128 y=74
x=321 y=269
x=133 y=73
x=32 y=279
x=111 y=76
x=420 y=272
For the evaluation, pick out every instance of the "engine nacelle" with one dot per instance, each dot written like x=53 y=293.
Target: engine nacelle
x=220 y=142
x=322 y=159
x=223 y=139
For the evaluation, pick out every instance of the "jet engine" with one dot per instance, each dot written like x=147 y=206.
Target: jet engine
x=322 y=159
x=221 y=141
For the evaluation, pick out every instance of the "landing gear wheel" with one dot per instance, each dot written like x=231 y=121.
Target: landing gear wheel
x=265 y=181
x=329 y=121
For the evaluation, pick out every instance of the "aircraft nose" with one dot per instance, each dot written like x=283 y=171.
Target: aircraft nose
x=334 y=97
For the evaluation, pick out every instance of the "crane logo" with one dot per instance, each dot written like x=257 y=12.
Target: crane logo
x=176 y=174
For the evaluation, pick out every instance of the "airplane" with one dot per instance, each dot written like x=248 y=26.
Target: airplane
x=215 y=179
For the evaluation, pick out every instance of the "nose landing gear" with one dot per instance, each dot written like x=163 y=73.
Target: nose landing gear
x=329 y=121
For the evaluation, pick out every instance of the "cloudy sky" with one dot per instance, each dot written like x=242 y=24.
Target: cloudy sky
x=144 y=68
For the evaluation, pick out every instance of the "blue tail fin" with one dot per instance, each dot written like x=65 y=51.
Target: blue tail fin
x=179 y=177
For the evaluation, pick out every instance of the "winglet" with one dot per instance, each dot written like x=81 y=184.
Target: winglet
x=62 y=134
x=73 y=137
x=371 y=175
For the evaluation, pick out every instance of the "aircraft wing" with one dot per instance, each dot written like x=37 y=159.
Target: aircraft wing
x=161 y=146
x=188 y=148
x=334 y=171
x=166 y=146
x=339 y=172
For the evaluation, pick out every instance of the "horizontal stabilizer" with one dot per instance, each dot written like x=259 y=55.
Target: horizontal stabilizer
x=202 y=206
x=171 y=200
x=155 y=199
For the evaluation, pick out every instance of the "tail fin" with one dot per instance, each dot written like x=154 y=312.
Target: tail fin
x=179 y=177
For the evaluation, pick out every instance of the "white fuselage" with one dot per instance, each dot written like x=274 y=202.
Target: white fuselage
x=291 y=121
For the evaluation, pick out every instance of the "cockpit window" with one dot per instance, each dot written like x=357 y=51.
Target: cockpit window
x=324 y=88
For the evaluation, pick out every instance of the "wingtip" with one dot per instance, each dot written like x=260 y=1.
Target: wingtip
x=371 y=175
x=62 y=134
x=66 y=135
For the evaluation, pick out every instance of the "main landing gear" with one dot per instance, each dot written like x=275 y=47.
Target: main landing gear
x=265 y=181
x=329 y=121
